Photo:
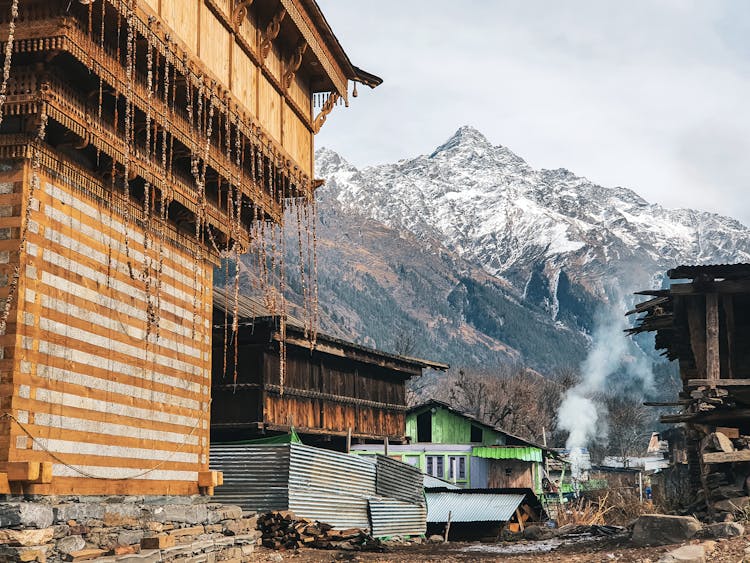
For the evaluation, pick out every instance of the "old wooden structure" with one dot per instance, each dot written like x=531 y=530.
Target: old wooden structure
x=703 y=322
x=139 y=140
x=332 y=391
x=451 y=445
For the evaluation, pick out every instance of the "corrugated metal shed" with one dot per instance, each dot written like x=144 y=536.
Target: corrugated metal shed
x=331 y=487
x=523 y=453
x=255 y=477
x=391 y=517
x=399 y=480
x=472 y=507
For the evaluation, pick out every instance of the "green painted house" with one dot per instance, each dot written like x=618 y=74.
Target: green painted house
x=450 y=445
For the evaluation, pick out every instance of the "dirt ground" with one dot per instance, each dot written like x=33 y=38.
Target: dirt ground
x=601 y=551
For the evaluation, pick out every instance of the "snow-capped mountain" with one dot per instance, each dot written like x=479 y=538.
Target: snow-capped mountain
x=558 y=238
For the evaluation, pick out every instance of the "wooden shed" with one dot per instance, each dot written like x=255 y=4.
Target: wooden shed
x=139 y=140
x=331 y=390
x=703 y=322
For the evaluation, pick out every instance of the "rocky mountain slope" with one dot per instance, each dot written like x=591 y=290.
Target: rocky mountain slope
x=560 y=241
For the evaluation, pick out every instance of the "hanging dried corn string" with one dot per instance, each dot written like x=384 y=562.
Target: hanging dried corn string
x=315 y=319
x=101 y=79
x=164 y=203
x=130 y=56
x=230 y=214
x=146 y=274
x=8 y=56
x=282 y=287
x=237 y=215
x=36 y=164
x=308 y=262
x=302 y=272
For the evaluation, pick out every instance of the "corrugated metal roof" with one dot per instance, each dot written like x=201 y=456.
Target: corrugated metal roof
x=430 y=482
x=251 y=309
x=391 y=517
x=508 y=452
x=472 y=507
x=398 y=480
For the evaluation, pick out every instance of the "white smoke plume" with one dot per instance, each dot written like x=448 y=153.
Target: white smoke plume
x=580 y=415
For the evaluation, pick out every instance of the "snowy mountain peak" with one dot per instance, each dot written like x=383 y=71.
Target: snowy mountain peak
x=466 y=137
x=532 y=226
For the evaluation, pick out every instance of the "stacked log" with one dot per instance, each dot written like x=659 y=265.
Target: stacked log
x=284 y=530
x=725 y=454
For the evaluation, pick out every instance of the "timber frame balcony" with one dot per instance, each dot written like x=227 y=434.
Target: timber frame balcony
x=49 y=47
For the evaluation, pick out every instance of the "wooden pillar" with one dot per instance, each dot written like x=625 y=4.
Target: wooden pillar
x=713 y=363
x=728 y=305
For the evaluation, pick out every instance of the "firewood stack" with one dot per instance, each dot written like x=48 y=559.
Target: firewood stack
x=284 y=530
x=724 y=455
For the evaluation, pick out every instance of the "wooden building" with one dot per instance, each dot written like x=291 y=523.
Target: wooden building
x=139 y=139
x=703 y=322
x=331 y=390
x=457 y=447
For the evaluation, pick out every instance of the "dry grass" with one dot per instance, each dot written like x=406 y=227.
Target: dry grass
x=584 y=512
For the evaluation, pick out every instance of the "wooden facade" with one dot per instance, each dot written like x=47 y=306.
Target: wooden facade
x=116 y=202
x=331 y=390
x=703 y=323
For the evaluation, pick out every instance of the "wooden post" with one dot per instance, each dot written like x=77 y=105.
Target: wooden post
x=520 y=519
x=385 y=446
x=713 y=362
x=349 y=439
x=448 y=526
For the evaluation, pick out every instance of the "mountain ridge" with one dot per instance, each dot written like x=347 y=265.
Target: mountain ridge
x=532 y=227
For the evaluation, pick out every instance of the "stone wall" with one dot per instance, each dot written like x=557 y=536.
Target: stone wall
x=125 y=530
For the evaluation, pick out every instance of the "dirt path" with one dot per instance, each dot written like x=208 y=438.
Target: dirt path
x=604 y=551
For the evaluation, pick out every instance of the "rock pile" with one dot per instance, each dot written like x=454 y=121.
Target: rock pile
x=284 y=530
x=126 y=530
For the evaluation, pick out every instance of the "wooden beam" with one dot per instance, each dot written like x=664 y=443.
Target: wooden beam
x=726 y=286
x=720 y=383
x=23 y=470
x=713 y=361
x=726 y=457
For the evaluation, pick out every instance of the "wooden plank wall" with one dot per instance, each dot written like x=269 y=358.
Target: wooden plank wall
x=342 y=379
x=85 y=383
x=257 y=88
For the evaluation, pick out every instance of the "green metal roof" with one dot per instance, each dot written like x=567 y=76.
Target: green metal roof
x=523 y=453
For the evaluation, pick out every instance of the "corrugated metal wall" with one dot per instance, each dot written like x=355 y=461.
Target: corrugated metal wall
x=331 y=487
x=255 y=477
x=345 y=491
x=391 y=517
x=399 y=481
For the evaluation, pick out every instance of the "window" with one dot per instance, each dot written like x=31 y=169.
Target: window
x=412 y=460
x=476 y=433
x=435 y=466
x=459 y=464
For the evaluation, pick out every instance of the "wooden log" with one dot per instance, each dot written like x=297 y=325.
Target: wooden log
x=726 y=457
x=713 y=360
x=720 y=442
x=210 y=478
x=24 y=470
x=731 y=433
x=720 y=383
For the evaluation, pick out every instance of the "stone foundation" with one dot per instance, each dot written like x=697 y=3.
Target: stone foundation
x=125 y=530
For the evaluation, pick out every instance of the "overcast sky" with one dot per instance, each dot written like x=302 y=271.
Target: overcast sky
x=649 y=94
